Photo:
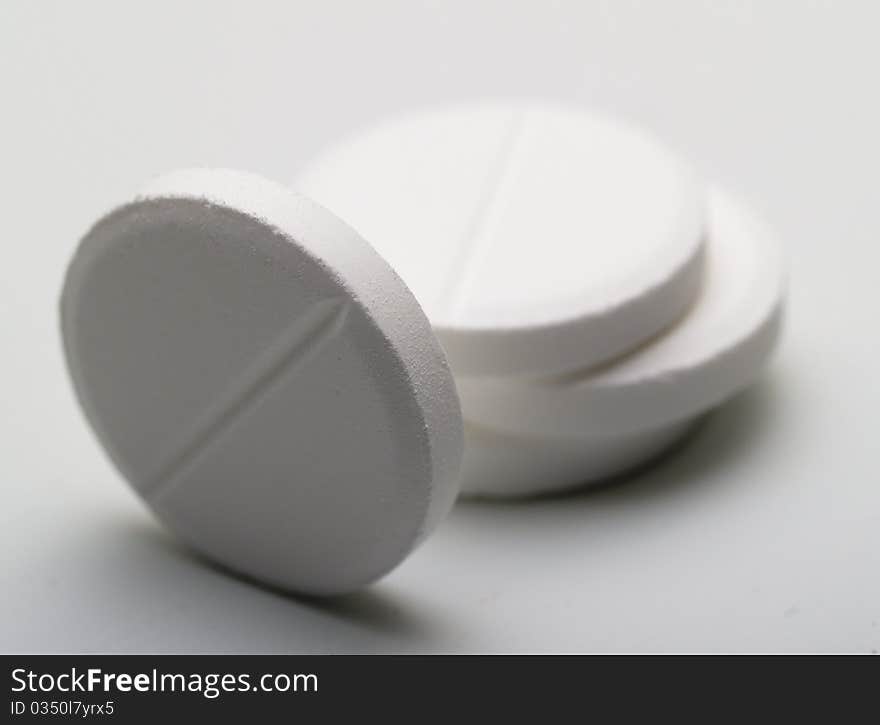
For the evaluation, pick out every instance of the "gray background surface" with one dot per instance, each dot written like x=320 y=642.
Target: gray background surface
x=762 y=534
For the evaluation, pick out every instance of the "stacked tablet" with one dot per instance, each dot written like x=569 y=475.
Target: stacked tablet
x=593 y=297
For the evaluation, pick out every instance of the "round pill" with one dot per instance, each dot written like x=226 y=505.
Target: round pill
x=510 y=465
x=538 y=240
x=716 y=350
x=263 y=379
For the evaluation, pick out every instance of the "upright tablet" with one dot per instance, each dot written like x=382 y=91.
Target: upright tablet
x=263 y=379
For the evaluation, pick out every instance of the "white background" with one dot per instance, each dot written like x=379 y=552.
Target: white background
x=762 y=534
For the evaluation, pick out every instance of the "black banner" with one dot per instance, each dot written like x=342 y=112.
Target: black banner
x=143 y=688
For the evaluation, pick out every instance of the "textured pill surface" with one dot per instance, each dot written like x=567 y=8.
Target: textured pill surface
x=538 y=239
x=716 y=350
x=263 y=379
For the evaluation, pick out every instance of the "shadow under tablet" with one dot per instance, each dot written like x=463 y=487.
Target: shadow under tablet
x=155 y=591
x=159 y=584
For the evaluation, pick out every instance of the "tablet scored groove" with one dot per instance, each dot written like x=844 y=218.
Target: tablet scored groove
x=474 y=246
x=305 y=338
